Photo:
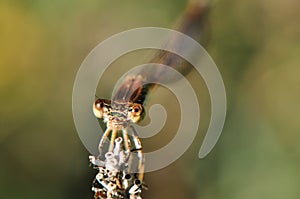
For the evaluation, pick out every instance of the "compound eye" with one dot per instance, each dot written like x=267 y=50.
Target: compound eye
x=98 y=108
x=136 y=112
x=137 y=109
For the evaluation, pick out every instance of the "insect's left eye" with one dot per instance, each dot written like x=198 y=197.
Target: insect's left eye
x=137 y=108
x=136 y=112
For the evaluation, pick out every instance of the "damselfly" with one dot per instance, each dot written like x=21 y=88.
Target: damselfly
x=121 y=160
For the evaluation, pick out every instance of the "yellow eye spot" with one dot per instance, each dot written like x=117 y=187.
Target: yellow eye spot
x=136 y=112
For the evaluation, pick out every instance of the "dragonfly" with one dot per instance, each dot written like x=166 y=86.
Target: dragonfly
x=121 y=160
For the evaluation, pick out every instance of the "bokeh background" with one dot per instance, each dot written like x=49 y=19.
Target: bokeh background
x=256 y=45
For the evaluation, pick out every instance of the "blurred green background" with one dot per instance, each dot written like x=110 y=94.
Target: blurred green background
x=256 y=45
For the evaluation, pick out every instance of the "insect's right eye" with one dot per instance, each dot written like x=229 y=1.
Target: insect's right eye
x=99 y=104
x=98 y=108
